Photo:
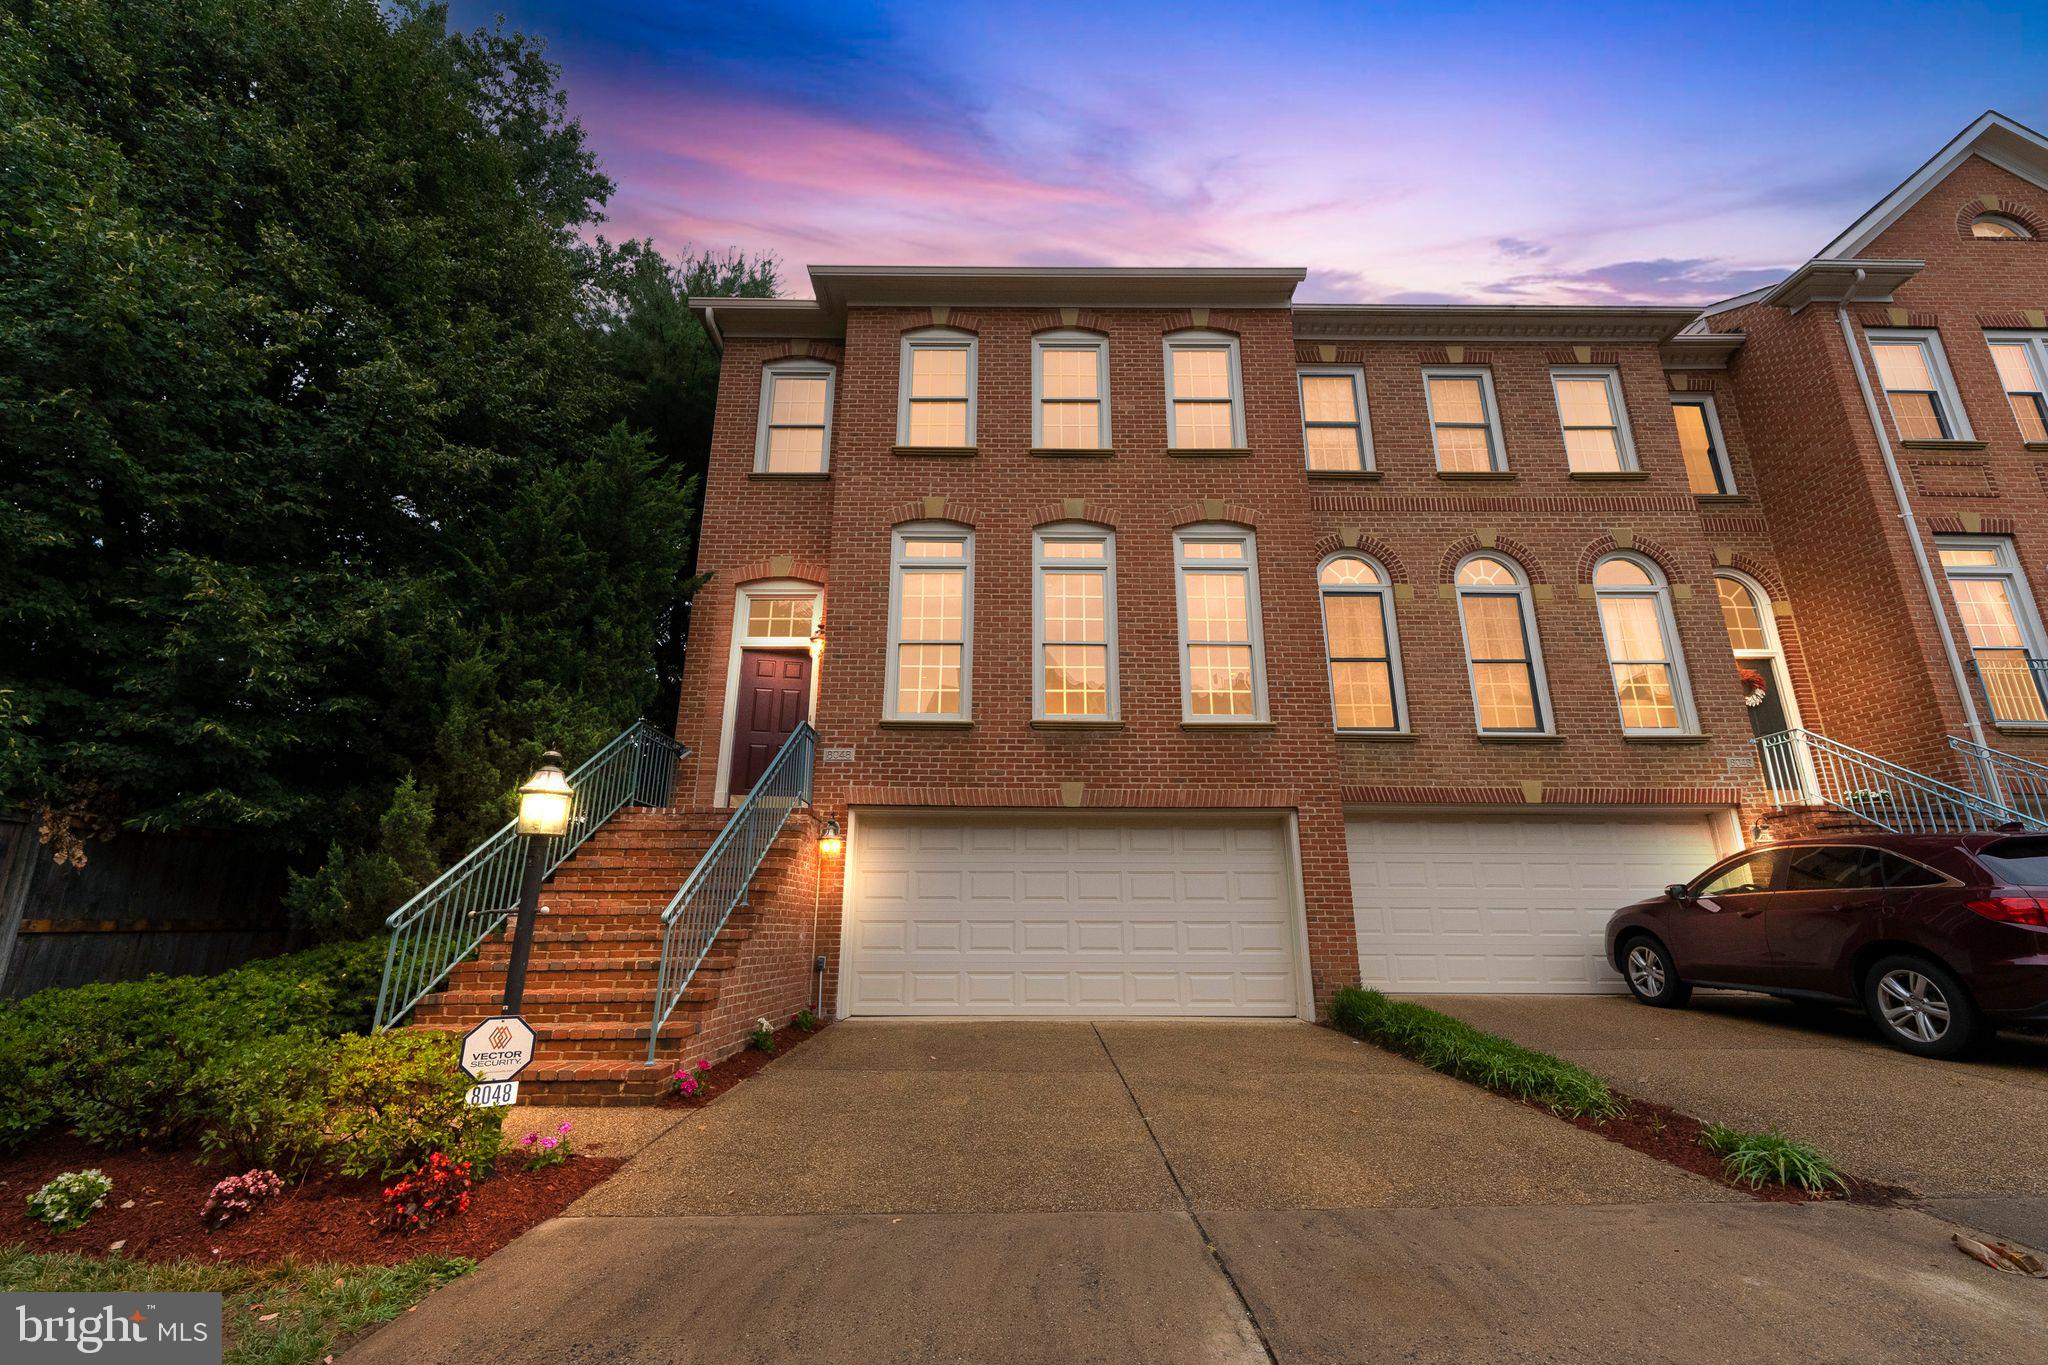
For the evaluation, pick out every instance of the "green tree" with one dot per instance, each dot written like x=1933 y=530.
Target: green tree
x=667 y=370
x=316 y=497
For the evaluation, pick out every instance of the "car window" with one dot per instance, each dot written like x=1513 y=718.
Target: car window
x=1753 y=873
x=1835 y=868
x=2017 y=862
x=1900 y=872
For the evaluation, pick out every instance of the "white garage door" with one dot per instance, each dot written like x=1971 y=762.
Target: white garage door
x=1508 y=904
x=1021 y=916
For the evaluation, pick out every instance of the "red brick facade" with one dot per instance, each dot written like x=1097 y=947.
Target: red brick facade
x=1812 y=521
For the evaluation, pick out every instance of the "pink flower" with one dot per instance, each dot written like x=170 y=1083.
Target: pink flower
x=703 y=1064
x=688 y=1086
x=527 y=1141
x=564 y=1128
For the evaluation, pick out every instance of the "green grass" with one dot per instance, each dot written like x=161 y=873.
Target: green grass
x=315 y=1305
x=1771 y=1158
x=1455 y=1048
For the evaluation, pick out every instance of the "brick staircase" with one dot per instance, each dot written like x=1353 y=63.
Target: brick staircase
x=590 y=983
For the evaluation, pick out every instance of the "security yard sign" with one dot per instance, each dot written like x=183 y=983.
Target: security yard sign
x=498 y=1049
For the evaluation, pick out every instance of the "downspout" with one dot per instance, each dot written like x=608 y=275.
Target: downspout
x=1927 y=581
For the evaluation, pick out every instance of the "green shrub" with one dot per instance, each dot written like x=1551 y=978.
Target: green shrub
x=351 y=893
x=69 y=1199
x=119 y=1062
x=395 y=1098
x=263 y=1102
x=1771 y=1158
x=1455 y=1048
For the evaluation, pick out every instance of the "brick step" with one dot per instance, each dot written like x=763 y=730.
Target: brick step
x=595 y=1084
x=604 y=1042
x=662 y=880
x=466 y=1007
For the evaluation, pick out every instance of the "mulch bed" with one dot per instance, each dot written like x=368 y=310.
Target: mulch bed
x=327 y=1218
x=724 y=1075
x=1672 y=1137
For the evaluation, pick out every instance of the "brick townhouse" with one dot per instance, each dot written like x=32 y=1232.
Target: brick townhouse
x=1174 y=646
x=1177 y=646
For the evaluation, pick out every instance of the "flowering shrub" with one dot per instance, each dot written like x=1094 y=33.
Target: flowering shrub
x=393 y=1098
x=545 y=1150
x=692 y=1083
x=238 y=1195
x=66 y=1202
x=762 y=1039
x=439 y=1189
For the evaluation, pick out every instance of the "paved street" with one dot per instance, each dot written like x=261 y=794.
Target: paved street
x=1186 y=1192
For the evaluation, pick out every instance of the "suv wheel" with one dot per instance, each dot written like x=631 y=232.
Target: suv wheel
x=1651 y=974
x=1920 y=1007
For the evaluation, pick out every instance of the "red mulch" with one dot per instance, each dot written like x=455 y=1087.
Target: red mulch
x=1674 y=1138
x=724 y=1075
x=327 y=1218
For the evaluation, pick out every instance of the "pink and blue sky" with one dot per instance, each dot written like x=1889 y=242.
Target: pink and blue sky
x=1474 y=152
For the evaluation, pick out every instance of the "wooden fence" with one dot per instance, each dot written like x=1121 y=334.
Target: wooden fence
x=143 y=903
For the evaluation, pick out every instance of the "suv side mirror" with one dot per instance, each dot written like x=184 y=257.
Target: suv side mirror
x=1678 y=891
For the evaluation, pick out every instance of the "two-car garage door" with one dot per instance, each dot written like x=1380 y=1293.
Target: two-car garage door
x=1023 y=915
x=1509 y=904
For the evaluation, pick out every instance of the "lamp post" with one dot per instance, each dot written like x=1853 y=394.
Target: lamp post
x=544 y=805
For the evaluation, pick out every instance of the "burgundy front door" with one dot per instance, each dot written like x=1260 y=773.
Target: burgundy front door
x=775 y=694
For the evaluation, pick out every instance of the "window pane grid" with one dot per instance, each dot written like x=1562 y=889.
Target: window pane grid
x=1361 y=666
x=1332 y=428
x=1592 y=432
x=1497 y=647
x=796 y=424
x=1741 y=615
x=1906 y=370
x=1217 y=629
x=779 y=618
x=1203 y=407
x=2019 y=368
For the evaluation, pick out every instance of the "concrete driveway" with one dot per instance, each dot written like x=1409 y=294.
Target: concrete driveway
x=1184 y=1192
x=1965 y=1134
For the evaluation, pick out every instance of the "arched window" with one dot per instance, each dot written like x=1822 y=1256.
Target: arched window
x=1998 y=227
x=1363 y=651
x=1642 y=647
x=1501 y=650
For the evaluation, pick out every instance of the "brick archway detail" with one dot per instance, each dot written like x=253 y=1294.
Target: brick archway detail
x=1507 y=546
x=1648 y=549
x=1370 y=546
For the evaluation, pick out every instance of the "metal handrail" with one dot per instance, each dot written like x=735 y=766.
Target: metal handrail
x=718 y=884
x=2020 y=783
x=2015 y=686
x=1887 y=795
x=451 y=915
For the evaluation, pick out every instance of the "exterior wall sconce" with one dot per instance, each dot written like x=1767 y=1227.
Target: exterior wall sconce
x=830 y=843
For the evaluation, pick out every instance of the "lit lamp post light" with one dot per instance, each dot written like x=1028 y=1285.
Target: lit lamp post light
x=545 y=802
x=818 y=641
x=829 y=842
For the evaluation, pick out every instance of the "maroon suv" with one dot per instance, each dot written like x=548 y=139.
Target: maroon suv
x=1940 y=937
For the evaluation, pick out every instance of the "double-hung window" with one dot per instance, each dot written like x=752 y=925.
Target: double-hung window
x=1070 y=391
x=1589 y=409
x=1334 y=428
x=1222 y=674
x=1999 y=620
x=1642 y=647
x=1500 y=647
x=935 y=407
x=2023 y=368
x=1700 y=443
x=795 y=435
x=1074 y=611
x=1204 y=394
x=1464 y=421
x=1914 y=372
x=931 y=623
x=1358 y=633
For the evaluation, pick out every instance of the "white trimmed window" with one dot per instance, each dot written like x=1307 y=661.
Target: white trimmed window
x=1363 y=651
x=1642 y=647
x=1999 y=228
x=931 y=623
x=1204 y=392
x=2001 y=624
x=1501 y=654
x=935 y=408
x=1595 y=422
x=1700 y=442
x=1073 y=593
x=2022 y=361
x=1222 y=669
x=1914 y=372
x=1463 y=421
x=1070 y=391
x=1335 y=430
x=795 y=435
